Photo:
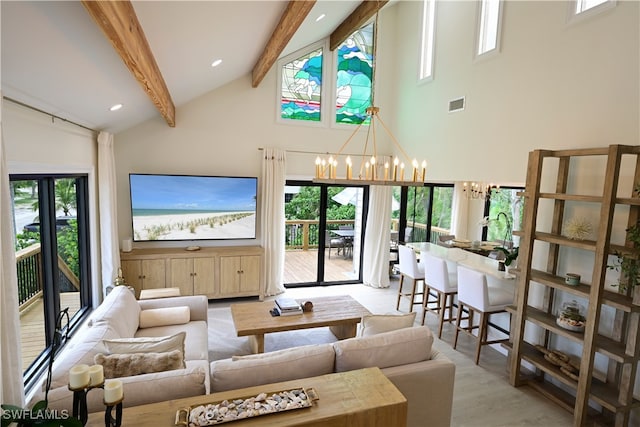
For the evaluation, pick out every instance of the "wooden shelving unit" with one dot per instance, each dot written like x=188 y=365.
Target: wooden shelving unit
x=595 y=397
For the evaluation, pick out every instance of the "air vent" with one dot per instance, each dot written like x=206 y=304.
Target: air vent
x=456 y=105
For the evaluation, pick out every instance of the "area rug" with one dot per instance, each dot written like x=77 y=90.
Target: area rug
x=223 y=342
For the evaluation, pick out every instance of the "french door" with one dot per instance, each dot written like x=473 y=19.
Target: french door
x=324 y=230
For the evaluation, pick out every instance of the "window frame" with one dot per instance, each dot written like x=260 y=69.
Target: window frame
x=428 y=43
x=48 y=240
x=402 y=214
x=487 y=210
x=324 y=108
x=480 y=19
x=575 y=16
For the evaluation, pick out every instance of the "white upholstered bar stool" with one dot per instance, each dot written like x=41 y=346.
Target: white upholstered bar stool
x=444 y=283
x=410 y=268
x=477 y=296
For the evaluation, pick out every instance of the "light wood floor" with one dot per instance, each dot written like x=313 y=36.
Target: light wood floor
x=301 y=266
x=482 y=395
x=32 y=333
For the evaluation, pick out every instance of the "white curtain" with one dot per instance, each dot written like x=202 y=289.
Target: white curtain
x=272 y=230
x=375 y=263
x=459 y=212
x=12 y=389
x=108 y=210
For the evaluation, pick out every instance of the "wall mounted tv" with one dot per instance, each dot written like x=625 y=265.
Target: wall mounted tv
x=189 y=207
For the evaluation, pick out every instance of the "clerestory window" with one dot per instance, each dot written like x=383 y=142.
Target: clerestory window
x=489 y=24
x=428 y=35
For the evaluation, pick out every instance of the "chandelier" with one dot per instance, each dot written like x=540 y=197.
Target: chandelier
x=478 y=190
x=373 y=169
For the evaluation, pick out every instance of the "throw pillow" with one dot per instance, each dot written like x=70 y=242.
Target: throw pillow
x=126 y=365
x=146 y=345
x=394 y=348
x=379 y=323
x=164 y=316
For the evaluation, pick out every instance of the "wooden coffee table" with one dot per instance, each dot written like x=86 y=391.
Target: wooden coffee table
x=340 y=313
x=363 y=397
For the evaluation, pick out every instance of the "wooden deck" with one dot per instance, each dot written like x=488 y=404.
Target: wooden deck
x=301 y=266
x=32 y=333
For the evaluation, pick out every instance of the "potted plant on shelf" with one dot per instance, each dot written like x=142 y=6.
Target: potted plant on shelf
x=628 y=262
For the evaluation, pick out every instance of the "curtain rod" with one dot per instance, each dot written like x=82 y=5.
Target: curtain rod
x=53 y=116
x=323 y=153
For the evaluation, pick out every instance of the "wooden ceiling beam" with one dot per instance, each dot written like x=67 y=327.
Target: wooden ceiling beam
x=119 y=23
x=355 y=21
x=290 y=21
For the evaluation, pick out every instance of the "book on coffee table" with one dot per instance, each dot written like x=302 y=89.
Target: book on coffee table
x=282 y=312
x=286 y=304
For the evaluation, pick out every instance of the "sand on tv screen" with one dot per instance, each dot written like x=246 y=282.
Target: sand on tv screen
x=187 y=207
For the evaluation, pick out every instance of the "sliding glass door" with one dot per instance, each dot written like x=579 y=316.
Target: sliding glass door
x=323 y=233
x=50 y=216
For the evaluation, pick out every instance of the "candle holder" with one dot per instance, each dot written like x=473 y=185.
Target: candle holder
x=109 y=420
x=80 y=401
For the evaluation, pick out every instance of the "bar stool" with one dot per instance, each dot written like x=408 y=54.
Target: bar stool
x=477 y=295
x=438 y=278
x=409 y=267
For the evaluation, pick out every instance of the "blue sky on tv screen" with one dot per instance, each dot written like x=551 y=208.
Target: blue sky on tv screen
x=174 y=192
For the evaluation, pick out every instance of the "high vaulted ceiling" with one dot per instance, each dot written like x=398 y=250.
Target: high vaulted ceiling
x=57 y=59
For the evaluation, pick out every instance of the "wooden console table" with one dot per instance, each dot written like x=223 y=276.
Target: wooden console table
x=364 y=397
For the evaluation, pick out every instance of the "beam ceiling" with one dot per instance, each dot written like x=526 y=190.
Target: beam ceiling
x=355 y=21
x=290 y=21
x=119 y=23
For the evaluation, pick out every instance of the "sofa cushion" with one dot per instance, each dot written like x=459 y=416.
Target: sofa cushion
x=195 y=344
x=399 y=347
x=128 y=364
x=120 y=310
x=281 y=365
x=379 y=323
x=146 y=344
x=164 y=316
x=81 y=349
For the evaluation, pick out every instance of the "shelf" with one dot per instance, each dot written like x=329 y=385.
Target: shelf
x=632 y=201
x=589 y=245
x=603 y=345
x=571 y=197
x=613 y=299
x=601 y=393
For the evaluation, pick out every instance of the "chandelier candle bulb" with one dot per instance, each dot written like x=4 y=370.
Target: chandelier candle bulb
x=79 y=376
x=386 y=171
x=373 y=168
x=415 y=170
x=113 y=392
x=335 y=169
x=96 y=372
x=366 y=173
x=395 y=169
x=323 y=166
x=330 y=167
x=349 y=165
x=317 y=167
x=401 y=171
x=424 y=169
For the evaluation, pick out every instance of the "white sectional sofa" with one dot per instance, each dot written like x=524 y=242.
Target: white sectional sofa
x=422 y=374
x=117 y=318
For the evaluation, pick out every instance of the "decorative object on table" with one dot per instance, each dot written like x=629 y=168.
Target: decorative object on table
x=478 y=190
x=39 y=414
x=307 y=307
x=510 y=255
x=119 y=281
x=246 y=407
x=572 y=279
x=578 y=228
x=570 y=317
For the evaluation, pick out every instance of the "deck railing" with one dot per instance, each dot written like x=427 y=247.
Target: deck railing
x=303 y=234
x=29 y=274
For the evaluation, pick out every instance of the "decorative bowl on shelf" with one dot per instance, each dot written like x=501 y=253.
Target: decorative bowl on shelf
x=570 y=317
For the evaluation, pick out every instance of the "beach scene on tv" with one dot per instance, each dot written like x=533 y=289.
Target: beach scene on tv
x=176 y=207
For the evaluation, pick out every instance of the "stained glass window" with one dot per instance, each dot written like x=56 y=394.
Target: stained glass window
x=301 y=87
x=354 y=76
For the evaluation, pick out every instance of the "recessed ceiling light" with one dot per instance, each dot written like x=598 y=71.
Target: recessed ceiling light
x=216 y=62
x=320 y=18
x=115 y=107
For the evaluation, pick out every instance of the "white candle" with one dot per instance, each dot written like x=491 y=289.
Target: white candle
x=386 y=171
x=96 y=372
x=401 y=171
x=349 y=164
x=424 y=169
x=366 y=168
x=317 y=167
x=113 y=392
x=395 y=169
x=79 y=376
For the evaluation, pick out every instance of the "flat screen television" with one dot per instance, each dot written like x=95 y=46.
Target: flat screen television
x=190 y=207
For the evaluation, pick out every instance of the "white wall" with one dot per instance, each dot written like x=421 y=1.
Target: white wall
x=553 y=85
x=35 y=143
